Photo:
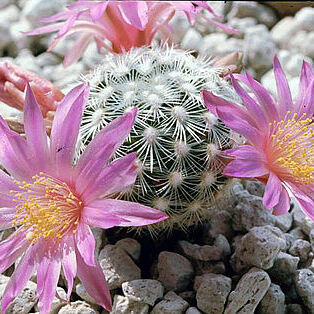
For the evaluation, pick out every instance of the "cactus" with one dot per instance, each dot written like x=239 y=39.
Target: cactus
x=177 y=140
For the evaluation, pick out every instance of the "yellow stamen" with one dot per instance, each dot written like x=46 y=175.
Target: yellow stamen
x=46 y=208
x=293 y=146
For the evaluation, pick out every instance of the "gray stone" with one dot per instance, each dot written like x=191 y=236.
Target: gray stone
x=118 y=266
x=220 y=224
x=124 y=305
x=260 y=48
x=311 y=236
x=255 y=187
x=273 y=301
x=175 y=271
x=131 y=246
x=172 y=304
x=222 y=242
x=304 y=18
x=307 y=225
x=249 y=292
x=284 y=30
x=192 y=40
x=202 y=253
x=242 y=24
x=259 y=247
x=261 y=13
x=210 y=43
x=78 y=307
x=5 y=3
x=192 y=310
x=297 y=233
x=298 y=215
x=304 y=283
x=34 y=9
x=143 y=290
x=284 y=268
x=26 y=299
x=294 y=309
x=212 y=293
x=10 y=14
x=250 y=213
x=308 y=47
x=300 y=248
x=294 y=65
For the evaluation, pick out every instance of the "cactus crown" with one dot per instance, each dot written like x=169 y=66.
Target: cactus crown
x=177 y=140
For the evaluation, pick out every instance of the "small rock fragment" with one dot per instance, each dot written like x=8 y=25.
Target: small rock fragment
x=300 y=248
x=284 y=268
x=175 y=271
x=249 y=292
x=192 y=310
x=117 y=266
x=131 y=246
x=143 y=290
x=304 y=283
x=259 y=248
x=212 y=293
x=172 y=304
x=78 y=307
x=273 y=301
x=123 y=305
x=201 y=253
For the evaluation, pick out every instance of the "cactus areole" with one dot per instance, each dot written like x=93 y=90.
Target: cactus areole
x=177 y=140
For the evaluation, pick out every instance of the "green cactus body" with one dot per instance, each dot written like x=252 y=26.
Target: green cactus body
x=177 y=140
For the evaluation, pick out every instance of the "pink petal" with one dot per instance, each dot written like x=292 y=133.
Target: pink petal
x=226 y=28
x=69 y=264
x=35 y=130
x=307 y=75
x=307 y=104
x=94 y=281
x=261 y=94
x=135 y=13
x=6 y=182
x=242 y=127
x=7 y=215
x=116 y=177
x=283 y=205
x=48 y=273
x=245 y=152
x=253 y=108
x=65 y=129
x=307 y=205
x=77 y=50
x=283 y=90
x=101 y=149
x=134 y=214
x=18 y=279
x=11 y=248
x=44 y=29
x=272 y=191
x=97 y=217
x=85 y=243
x=14 y=153
x=245 y=168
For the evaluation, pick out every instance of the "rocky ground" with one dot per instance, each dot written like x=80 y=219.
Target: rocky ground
x=244 y=260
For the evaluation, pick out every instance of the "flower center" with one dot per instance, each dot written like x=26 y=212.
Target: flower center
x=293 y=146
x=46 y=208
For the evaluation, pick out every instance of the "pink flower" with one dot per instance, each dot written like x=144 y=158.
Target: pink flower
x=123 y=24
x=53 y=203
x=280 y=144
x=13 y=81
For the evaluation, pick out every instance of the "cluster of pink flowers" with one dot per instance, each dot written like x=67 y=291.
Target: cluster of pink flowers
x=119 y=26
